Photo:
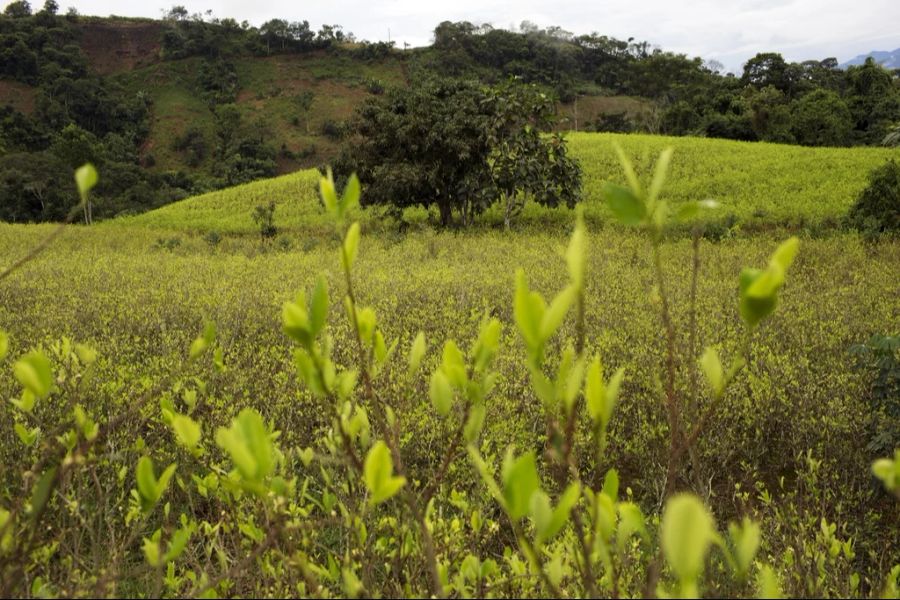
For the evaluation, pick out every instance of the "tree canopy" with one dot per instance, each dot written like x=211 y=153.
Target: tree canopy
x=460 y=146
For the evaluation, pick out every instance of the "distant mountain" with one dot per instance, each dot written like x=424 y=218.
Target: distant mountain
x=887 y=59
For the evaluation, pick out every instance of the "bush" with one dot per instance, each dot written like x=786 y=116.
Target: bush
x=877 y=210
x=264 y=217
x=333 y=130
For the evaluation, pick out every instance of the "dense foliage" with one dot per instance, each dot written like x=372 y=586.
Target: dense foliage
x=877 y=209
x=78 y=117
x=74 y=114
x=350 y=478
x=462 y=147
x=811 y=103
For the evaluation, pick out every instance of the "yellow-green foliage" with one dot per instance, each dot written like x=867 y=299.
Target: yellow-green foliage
x=757 y=182
x=191 y=472
x=762 y=185
x=230 y=210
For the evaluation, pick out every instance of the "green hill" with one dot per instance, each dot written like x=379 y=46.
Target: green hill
x=757 y=185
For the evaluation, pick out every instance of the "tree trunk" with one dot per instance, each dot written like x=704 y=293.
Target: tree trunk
x=507 y=217
x=446 y=213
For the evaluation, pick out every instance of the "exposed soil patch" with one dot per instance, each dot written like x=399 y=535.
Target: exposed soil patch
x=118 y=46
x=20 y=96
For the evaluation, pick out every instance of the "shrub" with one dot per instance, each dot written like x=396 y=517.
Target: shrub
x=877 y=209
x=880 y=359
x=333 y=130
x=153 y=498
x=264 y=217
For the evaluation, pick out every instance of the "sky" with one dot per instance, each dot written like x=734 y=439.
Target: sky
x=729 y=31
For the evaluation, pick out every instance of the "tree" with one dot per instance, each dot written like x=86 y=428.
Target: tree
x=878 y=207
x=459 y=146
x=176 y=13
x=764 y=69
x=35 y=187
x=771 y=116
x=18 y=10
x=521 y=164
x=227 y=127
x=304 y=101
x=873 y=100
x=821 y=118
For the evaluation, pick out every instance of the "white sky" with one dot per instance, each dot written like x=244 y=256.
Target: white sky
x=730 y=31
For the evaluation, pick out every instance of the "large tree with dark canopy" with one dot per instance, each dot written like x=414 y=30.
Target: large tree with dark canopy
x=460 y=146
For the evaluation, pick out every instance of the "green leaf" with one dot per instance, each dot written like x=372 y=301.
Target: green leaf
x=295 y=320
x=753 y=309
x=178 y=543
x=785 y=253
x=659 y=174
x=611 y=485
x=329 y=194
x=366 y=319
x=26 y=401
x=712 y=370
x=4 y=345
x=485 y=347
x=27 y=436
x=888 y=471
x=187 y=431
x=42 y=489
x=441 y=393
x=378 y=474
x=629 y=170
x=541 y=513
x=85 y=179
x=575 y=253
x=556 y=313
x=745 y=540
x=759 y=289
x=475 y=423
x=453 y=364
x=550 y=524
x=631 y=522
x=689 y=210
x=520 y=481
x=767 y=584
x=86 y=354
x=625 y=206
x=33 y=371
x=350 y=197
x=152 y=551
x=528 y=310
x=146 y=483
x=687 y=532
x=417 y=352
x=249 y=445
x=571 y=385
x=351 y=246
x=318 y=307
x=595 y=391
x=605 y=516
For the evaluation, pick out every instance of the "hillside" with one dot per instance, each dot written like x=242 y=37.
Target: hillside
x=267 y=88
x=177 y=107
x=887 y=59
x=756 y=185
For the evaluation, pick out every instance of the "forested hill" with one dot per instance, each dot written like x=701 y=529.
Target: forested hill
x=188 y=103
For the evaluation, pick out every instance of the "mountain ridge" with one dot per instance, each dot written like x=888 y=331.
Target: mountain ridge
x=890 y=59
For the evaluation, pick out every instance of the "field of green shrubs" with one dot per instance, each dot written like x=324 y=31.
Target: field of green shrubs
x=311 y=456
x=758 y=186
